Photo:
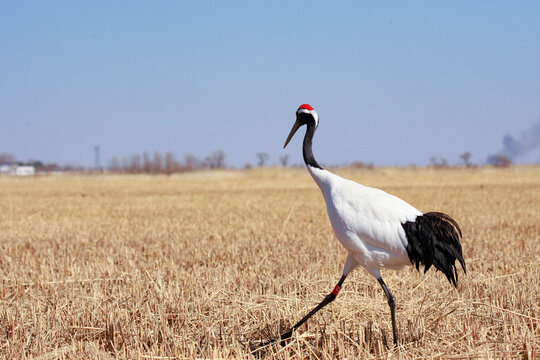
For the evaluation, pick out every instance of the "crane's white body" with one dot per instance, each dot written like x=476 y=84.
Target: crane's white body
x=367 y=221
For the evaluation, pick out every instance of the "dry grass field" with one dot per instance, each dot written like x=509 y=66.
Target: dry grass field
x=205 y=265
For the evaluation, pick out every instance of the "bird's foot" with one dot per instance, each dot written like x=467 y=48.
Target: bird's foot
x=285 y=336
x=259 y=350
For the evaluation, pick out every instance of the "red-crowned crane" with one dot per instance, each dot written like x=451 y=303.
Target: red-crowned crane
x=378 y=230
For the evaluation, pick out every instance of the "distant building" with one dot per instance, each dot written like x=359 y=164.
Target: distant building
x=5 y=169
x=17 y=170
x=25 y=171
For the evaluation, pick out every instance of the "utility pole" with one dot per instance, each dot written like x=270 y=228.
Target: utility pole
x=97 y=167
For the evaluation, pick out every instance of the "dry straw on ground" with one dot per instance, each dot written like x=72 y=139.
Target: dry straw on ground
x=207 y=265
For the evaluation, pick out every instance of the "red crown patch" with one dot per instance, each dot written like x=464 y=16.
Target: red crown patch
x=305 y=106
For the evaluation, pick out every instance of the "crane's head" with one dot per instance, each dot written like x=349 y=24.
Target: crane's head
x=304 y=115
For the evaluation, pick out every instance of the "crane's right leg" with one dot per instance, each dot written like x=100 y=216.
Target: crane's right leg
x=392 y=304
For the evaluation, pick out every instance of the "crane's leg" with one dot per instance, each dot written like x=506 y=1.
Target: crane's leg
x=327 y=300
x=350 y=264
x=392 y=304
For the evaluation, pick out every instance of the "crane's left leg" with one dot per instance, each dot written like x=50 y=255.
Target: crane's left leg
x=392 y=304
x=350 y=264
x=327 y=300
x=285 y=336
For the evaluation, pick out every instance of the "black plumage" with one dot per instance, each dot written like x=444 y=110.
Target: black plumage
x=434 y=239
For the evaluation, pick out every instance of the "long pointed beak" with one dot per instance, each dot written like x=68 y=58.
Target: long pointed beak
x=295 y=127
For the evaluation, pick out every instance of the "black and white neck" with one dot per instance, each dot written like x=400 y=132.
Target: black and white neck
x=307 y=150
x=310 y=118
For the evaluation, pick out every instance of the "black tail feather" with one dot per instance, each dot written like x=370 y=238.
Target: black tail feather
x=434 y=239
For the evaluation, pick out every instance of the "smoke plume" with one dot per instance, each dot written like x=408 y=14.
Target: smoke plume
x=515 y=147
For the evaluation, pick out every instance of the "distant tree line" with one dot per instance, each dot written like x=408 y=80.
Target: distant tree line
x=168 y=163
x=493 y=160
x=165 y=164
x=499 y=160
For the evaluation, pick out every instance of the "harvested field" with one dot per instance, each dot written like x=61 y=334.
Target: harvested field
x=204 y=265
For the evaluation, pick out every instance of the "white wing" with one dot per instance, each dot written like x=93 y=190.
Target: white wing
x=366 y=220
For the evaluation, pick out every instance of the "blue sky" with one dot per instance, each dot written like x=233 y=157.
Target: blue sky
x=393 y=82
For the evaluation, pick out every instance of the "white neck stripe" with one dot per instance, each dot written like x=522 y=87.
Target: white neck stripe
x=312 y=112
